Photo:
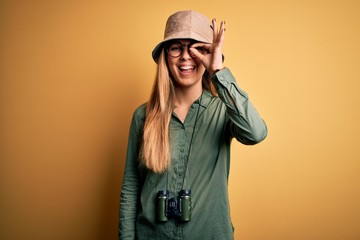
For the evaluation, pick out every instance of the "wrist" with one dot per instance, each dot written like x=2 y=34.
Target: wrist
x=217 y=70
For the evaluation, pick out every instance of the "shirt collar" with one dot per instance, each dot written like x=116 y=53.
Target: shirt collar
x=205 y=99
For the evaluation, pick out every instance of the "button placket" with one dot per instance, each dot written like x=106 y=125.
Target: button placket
x=179 y=169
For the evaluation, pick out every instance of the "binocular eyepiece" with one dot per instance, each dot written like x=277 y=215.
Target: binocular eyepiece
x=179 y=207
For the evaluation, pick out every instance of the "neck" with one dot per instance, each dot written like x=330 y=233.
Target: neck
x=187 y=96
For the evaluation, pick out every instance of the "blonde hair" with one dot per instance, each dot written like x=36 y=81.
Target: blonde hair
x=155 y=148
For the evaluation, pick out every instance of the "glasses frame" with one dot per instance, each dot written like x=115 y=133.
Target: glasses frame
x=202 y=50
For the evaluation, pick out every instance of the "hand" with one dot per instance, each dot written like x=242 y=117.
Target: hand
x=212 y=58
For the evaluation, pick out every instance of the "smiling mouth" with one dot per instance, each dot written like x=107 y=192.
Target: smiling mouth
x=187 y=68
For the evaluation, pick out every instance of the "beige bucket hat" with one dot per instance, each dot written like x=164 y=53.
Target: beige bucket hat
x=185 y=25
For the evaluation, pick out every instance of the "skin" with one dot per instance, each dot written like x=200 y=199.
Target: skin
x=187 y=69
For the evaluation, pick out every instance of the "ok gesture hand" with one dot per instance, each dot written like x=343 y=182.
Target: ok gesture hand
x=212 y=59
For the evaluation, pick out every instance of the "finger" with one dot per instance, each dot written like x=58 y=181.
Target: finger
x=220 y=37
x=207 y=46
x=215 y=29
x=197 y=54
x=222 y=28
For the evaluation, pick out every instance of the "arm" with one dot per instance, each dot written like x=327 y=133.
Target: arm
x=130 y=186
x=246 y=124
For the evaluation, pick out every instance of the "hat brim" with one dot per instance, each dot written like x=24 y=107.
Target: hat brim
x=179 y=35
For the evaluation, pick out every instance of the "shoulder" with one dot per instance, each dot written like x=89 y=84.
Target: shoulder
x=140 y=111
x=139 y=115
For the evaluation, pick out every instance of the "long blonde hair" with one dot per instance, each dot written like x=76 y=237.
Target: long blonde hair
x=155 y=148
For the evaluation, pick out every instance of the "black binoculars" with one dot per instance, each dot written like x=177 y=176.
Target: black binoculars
x=179 y=208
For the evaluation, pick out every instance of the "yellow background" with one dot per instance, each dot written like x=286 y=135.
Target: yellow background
x=72 y=73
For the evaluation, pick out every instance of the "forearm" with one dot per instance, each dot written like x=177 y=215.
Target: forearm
x=130 y=186
x=128 y=211
x=247 y=125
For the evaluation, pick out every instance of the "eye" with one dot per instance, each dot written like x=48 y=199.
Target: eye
x=201 y=50
x=175 y=48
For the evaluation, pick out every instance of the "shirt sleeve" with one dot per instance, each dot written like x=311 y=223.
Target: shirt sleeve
x=246 y=125
x=130 y=186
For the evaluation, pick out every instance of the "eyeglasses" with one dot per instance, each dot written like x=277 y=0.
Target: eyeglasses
x=176 y=49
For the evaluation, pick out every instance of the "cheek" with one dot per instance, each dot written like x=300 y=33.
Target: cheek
x=172 y=71
x=201 y=69
x=171 y=66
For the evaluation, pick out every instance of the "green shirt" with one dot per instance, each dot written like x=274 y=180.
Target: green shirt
x=204 y=170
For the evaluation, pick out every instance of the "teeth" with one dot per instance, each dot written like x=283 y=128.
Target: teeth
x=186 y=67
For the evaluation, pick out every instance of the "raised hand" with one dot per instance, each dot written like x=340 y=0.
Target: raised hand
x=212 y=58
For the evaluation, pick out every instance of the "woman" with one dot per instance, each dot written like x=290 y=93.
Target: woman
x=175 y=183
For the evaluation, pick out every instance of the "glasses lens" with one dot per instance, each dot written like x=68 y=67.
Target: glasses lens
x=201 y=50
x=175 y=49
